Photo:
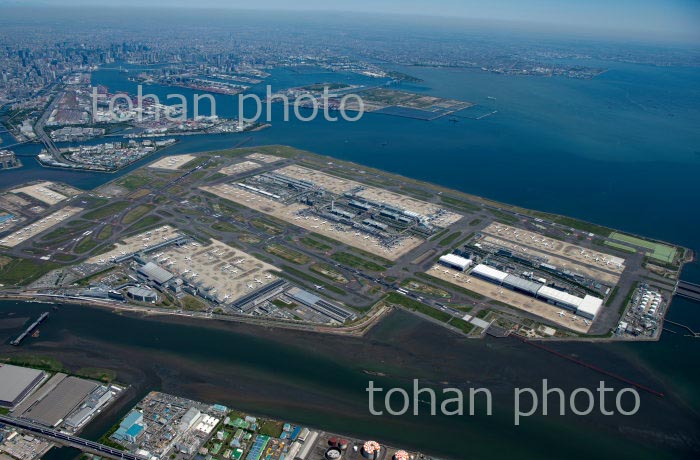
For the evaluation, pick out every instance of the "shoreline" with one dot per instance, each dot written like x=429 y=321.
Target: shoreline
x=356 y=330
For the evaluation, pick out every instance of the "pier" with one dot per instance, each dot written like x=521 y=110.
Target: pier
x=687 y=328
x=30 y=329
x=688 y=290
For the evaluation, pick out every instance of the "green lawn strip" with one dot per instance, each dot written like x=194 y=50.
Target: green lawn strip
x=414 y=305
x=357 y=262
x=449 y=239
x=450 y=286
x=304 y=276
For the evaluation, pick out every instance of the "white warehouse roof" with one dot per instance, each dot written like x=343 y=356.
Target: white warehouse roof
x=456 y=261
x=589 y=307
x=561 y=297
x=489 y=272
x=16 y=382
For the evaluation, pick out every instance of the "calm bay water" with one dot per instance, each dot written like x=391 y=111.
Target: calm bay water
x=620 y=150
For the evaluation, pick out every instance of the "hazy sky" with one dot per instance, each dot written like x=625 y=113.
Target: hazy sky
x=677 y=18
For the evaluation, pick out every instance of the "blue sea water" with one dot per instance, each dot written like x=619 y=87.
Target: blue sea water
x=622 y=149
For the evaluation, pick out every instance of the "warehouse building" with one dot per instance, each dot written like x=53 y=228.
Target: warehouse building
x=455 y=261
x=521 y=285
x=333 y=311
x=589 y=307
x=489 y=273
x=559 y=298
x=52 y=409
x=586 y=307
x=16 y=383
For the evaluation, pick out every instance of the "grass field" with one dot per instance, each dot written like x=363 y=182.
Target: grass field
x=105 y=233
x=133 y=181
x=449 y=239
x=85 y=245
x=398 y=299
x=106 y=211
x=136 y=213
x=620 y=246
x=356 y=262
x=287 y=254
x=303 y=276
x=144 y=223
x=659 y=251
x=24 y=271
x=310 y=242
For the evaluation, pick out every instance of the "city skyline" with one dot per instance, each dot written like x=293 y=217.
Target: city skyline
x=671 y=20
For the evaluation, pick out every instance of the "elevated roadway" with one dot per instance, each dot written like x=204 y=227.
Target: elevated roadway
x=69 y=440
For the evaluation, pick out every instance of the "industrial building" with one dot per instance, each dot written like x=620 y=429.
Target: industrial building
x=586 y=307
x=61 y=400
x=97 y=399
x=130 y=428
x=321 y=306
x=8 y=160
x=16 y=383
x=455 y=261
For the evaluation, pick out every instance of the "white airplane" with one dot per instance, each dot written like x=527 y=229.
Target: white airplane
x=194 y=275
x=239 y=261
x=250 y=286
x=561 y=313
x=188 y=258
x=573 y=318
x=100 y=261
x=186 y=271
x=588 y=323
x=258 y=281
x=367 y=237
x=268 y=277
x=319 y=287
x=227 y=296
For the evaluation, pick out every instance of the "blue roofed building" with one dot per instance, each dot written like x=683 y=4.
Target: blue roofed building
x=130 y=428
